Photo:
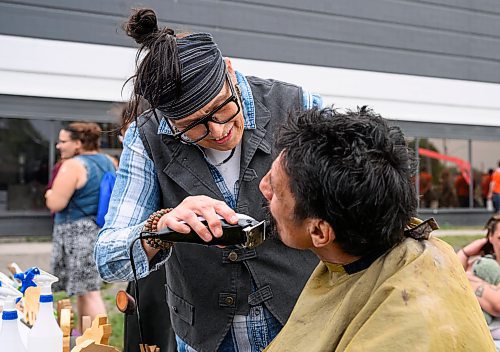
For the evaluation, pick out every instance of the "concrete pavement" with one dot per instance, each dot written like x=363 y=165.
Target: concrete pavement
x=460 y=232
x=25 y=254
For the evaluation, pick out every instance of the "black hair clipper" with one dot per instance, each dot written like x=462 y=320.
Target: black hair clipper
x=247 y=233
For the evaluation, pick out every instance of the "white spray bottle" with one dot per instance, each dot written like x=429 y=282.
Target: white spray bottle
x=45 y=335
x=10 y=339
x=7 y=280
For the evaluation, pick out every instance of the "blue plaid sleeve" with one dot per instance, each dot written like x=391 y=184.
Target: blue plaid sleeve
x=312 y=100
x=135 y=196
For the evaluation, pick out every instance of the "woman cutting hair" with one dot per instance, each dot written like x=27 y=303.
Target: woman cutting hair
x=202 y=150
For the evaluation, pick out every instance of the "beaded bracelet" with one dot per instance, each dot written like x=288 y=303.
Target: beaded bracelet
x=151 y=225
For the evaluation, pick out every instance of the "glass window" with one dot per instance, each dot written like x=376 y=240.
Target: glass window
x=110 y=144
x=24 y=156
x=444 y=173
x=447 y=168
x=27 y=152
x=485 y=157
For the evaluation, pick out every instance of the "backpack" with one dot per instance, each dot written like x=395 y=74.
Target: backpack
x=105 y=189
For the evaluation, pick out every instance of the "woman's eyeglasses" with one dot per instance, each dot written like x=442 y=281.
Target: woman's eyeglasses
x=222 y=114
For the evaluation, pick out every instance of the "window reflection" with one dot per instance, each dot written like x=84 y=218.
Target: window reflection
x=448 y=168
x=25 y=149
x=25 y=163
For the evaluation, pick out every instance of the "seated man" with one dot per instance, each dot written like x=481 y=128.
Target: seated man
x=342 y=187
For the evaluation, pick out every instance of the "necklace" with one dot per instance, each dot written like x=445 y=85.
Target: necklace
x=227 y=159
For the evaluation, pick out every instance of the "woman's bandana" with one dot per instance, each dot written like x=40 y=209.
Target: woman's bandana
x=202 y=76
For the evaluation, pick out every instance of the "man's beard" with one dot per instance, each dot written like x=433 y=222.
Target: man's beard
x=271 y=225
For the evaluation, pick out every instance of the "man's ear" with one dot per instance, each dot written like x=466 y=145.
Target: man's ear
x=321 y=233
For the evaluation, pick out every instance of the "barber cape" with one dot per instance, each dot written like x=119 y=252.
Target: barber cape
x=415 y=297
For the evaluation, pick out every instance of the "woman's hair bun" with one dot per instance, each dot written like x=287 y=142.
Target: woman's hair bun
x=141 y=25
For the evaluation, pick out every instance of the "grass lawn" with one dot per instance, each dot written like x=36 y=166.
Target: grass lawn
x=458 y=242
x=116 y=318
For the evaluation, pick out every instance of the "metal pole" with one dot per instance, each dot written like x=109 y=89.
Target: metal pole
x=52 y=148
x=417 y=173
x=471 y=177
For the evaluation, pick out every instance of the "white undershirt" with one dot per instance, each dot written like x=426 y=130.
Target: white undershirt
x=230 y=170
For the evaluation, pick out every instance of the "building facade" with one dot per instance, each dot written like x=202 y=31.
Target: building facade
x=432 y=67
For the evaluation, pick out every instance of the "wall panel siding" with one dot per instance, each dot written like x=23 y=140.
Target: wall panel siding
x=452 y=39
x=418 y=14
x=50 y=23
x=482 y=6
x=38 y=108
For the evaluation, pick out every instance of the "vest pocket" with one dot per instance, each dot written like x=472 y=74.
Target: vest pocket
x=179 y=308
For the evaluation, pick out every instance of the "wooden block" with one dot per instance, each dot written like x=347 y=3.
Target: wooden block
x=66 y=343
x=31 y=304
x=91 y=346
x=106 y=333
x=14 y=268
x=99 y=331
x=86 y=323
x=148 y=348
x=65 y=321
x=63 y=304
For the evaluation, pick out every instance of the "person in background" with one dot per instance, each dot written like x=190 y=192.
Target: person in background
x=201 y=151
x=446 y=194
x=481 y=261
x=425 y=188
x=74 y=197
x=462 y=190
x=66 y=151
x=54 y=171
x=342 y=188
x=485 y=186
x=494 y=193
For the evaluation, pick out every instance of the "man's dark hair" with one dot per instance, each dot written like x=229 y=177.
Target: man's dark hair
x=352 y=170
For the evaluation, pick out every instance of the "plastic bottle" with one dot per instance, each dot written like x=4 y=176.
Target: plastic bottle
x=10 y=339
x=45 y=335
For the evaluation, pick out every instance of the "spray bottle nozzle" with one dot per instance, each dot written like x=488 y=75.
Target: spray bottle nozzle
x=26 y=278
x=44 y=280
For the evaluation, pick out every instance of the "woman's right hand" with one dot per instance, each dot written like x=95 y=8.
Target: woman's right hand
x=184 y=217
